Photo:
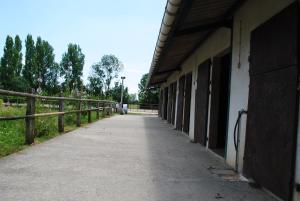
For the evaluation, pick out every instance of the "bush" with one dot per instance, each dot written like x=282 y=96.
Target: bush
x=1 y=102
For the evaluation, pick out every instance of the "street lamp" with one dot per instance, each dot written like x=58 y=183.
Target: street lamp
x=40 y=80
x=122 y=88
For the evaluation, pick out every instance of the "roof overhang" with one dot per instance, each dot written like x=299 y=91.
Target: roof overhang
x=185 y=25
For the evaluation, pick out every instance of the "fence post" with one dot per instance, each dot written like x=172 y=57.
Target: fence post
x=61 y=127
x=30 y=121
x=97 y=114
x=104 y=109
x=78 y=121
x=89 y=112
x=111 y=109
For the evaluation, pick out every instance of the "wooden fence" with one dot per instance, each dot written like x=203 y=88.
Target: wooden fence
x=144 y=108
x=97 y=106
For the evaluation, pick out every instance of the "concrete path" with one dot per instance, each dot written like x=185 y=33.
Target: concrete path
x=124 y=158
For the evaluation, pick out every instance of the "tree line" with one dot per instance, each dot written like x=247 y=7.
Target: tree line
x=40 y=71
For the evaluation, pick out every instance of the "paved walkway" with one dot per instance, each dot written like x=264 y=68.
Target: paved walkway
x=124 y=158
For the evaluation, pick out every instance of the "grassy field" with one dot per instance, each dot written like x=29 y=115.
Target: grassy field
x=12 y=132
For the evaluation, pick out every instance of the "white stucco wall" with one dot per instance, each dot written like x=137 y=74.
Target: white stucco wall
x=217 y=43
x=249 y=16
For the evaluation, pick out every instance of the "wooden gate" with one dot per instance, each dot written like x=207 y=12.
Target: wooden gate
x=201 y=103
x=273 y=104
x=187 y=102
x=180 y=103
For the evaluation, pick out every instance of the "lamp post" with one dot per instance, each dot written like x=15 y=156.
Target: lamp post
x=122 y=88
x=40 y=80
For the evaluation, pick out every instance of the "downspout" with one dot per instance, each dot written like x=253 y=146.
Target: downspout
x=171 y=11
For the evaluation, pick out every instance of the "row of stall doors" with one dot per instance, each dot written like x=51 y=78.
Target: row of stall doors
x=269 y=157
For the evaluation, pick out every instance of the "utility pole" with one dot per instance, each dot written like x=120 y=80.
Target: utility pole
x=122 y=88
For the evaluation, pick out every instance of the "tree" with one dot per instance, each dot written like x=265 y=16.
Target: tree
x=71 y=67
x=51 y=84
x=17 y=60
x=103 y=72
x=132 y=99
x=115 y=93
x=41 y=68
x=46 y=67
x=30 y=71
x=147 y=96
x=111 y=66
x=96 y=81
x=11 y=65
x=7 y=67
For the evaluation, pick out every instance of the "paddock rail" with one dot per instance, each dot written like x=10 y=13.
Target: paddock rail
x=94 y=105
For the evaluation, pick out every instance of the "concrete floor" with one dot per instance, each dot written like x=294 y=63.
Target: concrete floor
x=125 y=158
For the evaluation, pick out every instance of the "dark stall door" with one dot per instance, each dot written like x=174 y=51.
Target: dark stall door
x=219 y=104
x=187 y=102
x=201 y=102
x=179 y=116
x=174 y=102
x=272 y=106
x=160 y=112
x=170 y=103
x=166 y=100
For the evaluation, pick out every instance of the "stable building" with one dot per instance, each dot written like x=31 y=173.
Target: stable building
x=228 y=71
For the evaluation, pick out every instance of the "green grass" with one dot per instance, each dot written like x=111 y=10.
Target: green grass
x=12 y=137
x=11 y=132
x=133 y=106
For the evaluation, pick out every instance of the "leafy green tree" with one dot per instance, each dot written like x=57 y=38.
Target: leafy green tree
x=51 y=79
x=7 y=64
x=132 y=99
x=11 y=65
x=17 y=60
x=115 y=93
x=46 y=67
x=71 y=67
x=41 y=67
x=19 y=84
x=111 y=66
x=96 y=81
x=95 y=87
x=30 y=70
x=147 y=96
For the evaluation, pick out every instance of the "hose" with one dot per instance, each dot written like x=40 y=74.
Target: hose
x=236 y=128
x=236 y=137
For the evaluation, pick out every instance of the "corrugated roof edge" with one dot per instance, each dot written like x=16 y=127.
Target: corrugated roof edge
x=171 y=10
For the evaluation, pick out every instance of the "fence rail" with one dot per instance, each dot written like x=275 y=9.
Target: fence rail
x=144 y=108
x=97 y=106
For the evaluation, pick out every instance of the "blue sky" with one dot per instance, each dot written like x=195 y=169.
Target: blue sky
x=125 y=28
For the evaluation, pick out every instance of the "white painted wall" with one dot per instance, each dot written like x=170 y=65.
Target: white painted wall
x=249 y=16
